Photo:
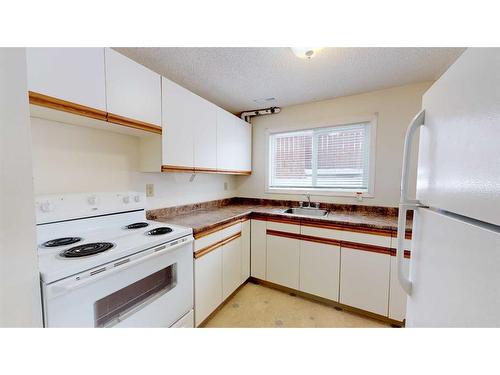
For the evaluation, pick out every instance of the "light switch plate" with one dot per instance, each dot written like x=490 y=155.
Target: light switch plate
x=150 y=190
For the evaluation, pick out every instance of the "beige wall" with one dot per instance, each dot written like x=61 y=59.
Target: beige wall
x=395 y=107
x=72 y=158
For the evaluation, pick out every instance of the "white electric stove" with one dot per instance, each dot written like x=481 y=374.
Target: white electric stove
x=102 y=264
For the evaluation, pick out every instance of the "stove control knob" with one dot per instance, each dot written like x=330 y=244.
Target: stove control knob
x=137 y=198
x=126 y=199
x=93 y=200
x=46 y=206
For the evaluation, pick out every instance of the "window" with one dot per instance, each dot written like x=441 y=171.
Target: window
x=331 y=159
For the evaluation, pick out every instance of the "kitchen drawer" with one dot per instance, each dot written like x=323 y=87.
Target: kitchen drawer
x=283 y=227
x=216 y=236
x=343 y=235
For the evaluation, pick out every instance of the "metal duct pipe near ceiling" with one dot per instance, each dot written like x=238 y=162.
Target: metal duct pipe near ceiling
x=259 y=112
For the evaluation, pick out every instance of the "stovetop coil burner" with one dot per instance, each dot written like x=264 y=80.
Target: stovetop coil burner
x=87 y=249
x=63 y=241
x=158 y=231
x=137 y=225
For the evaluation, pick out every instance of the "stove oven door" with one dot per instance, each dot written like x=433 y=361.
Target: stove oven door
x=153 y=288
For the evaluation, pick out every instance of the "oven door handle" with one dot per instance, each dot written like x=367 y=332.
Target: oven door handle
x=120 y=264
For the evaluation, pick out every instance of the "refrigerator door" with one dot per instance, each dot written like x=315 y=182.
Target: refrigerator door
x=459 y=153
x=455 y=272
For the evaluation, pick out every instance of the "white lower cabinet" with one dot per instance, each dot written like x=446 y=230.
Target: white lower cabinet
x=258 y=249
x=319 y=269
x=231 y=267
x=207 y=284
x=283 y=261
x=245 y=251
x=364 y=280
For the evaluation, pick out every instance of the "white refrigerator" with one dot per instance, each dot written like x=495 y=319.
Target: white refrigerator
x=454 y=278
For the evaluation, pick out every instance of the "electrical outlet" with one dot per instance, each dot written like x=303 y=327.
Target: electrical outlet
x=150 y=190
x=225 y=185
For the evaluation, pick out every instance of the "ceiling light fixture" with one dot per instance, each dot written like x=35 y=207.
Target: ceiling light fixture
x=306 y=52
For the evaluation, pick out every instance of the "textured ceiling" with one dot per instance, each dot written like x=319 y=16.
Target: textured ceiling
x=234 y=77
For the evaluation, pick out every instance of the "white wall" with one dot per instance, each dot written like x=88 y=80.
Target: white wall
x=395 y=107
x=72 y=158
x=20 y=303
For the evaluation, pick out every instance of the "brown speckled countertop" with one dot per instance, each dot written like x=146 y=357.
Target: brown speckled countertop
x=208 y=215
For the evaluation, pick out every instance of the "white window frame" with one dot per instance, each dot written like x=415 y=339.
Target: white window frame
x=368 y=193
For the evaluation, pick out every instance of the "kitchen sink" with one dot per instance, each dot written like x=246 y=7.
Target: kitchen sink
x=306 y=211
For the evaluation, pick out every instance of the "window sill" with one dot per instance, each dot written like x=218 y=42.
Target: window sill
x=331 y=193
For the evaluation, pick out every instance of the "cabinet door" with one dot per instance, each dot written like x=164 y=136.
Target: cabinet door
x=258 y=249
x=364 y=280
x=234 y=138
x=189 y=128
x=283 y=261
x=132 y=90
x=72 y=74
x=205 y=132
x=227 y=144
x=320 y=269
x=207 y=284
x=245 y=251
x=397 y=296
x=245 y=145
x=231 y=267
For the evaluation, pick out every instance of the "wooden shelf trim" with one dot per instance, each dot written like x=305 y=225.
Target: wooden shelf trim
x=131 y=123
x=330 y=241
x=204 y=233
x=176 y=168
x=183 y=169
x=215 y=246
x=81 y=110
x=65 y=106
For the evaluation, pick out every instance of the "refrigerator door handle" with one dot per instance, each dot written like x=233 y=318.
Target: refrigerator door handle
x=405 y=202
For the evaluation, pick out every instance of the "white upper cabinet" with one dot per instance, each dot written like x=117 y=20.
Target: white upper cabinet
x=189 y=128
x=132 y=90
x=72 y=74
x=234 y=142
x=205 y=133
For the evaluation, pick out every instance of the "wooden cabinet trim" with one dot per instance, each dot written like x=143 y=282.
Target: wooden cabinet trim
x=328 y=241
x=365 y=247
x=176 y=168
x=277 y=233
x=231 y=171
x=81 y=110
x=216 y=245
x=182 y=169
x=220 y=227
x=407 y=253
x=283 y=220
x=131 y=123
x=348 y=228
x=326 y=225
x=65 y=106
